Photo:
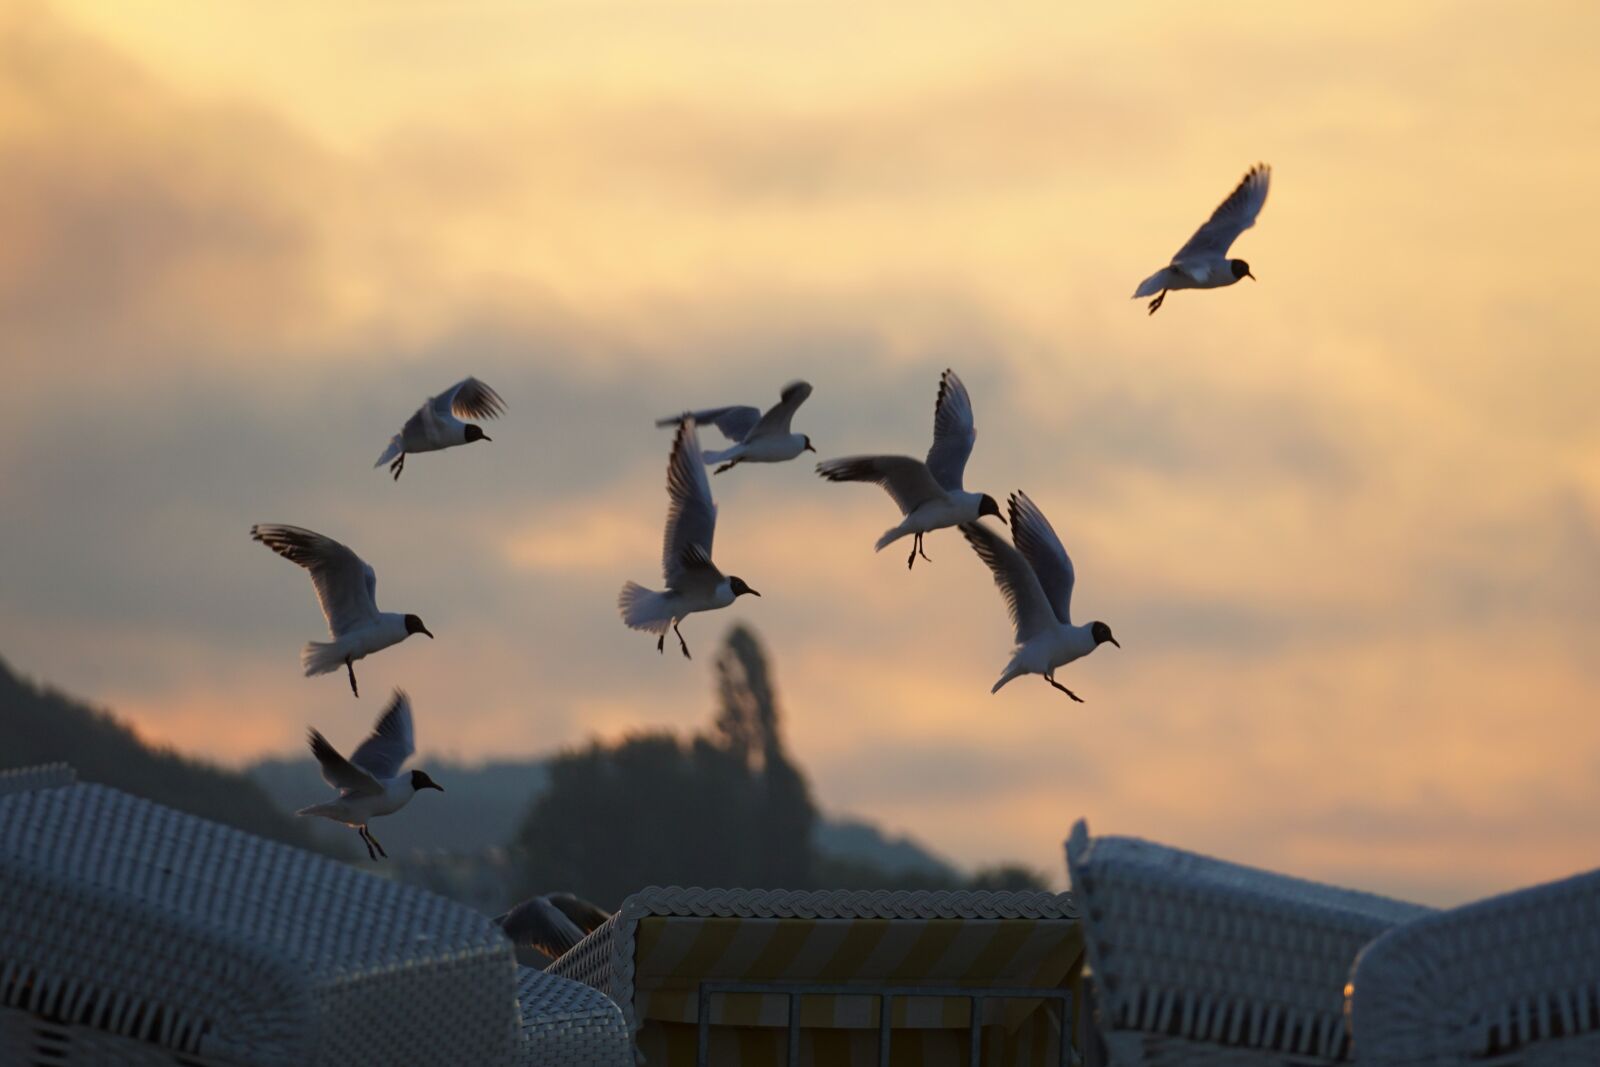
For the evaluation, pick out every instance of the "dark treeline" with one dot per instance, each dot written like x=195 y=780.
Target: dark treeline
x=38 y=725
x=727 y=807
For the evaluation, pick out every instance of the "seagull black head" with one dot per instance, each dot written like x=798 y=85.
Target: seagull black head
x=414 y=625
x=739 y=587
x=807 y=446
x=421 y=781
x=1241 y=269
x=1101 y=634
x=988 y=506
x=475 y=433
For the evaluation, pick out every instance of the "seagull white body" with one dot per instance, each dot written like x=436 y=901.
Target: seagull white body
x=371 y=782
x=928 y=492
x=1203 y=262
x=441 y=422
x=693 y=582
x=1036 y=579
x=756 y=437
x=347 y=590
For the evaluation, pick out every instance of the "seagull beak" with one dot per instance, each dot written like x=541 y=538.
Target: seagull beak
x=1247 y=274
x=428 y=632
x=1114 y=641
x=486 y=437
x=436 y=785
x=752 y=592
x=808 y=448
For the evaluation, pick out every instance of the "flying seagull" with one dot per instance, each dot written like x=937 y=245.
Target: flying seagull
x=929 y=491
x=552 y=923
x=347 y=589
x=370 y=782
x=756 y=438
x=1203 y=263
x=693 y=582
x=438 y=423
x=1036 y=579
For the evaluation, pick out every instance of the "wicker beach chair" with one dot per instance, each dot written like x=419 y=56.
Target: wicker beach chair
x=754 y=977
x=569 y=1024
x=134 y=934
x=1202 y=963
x=1512 y=980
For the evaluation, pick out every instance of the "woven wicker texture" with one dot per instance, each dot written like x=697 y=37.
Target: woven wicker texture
x=607 y=959
x=42 y=776
x=1183 y=946
x=1514 y=979
x=129 y=918
x=568 y=1024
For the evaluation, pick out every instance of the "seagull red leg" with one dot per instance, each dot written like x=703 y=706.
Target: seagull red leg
x=351 y=668
x=681 y=642
x=1052 y=680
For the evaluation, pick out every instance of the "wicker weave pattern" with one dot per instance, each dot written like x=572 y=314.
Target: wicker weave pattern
x=568 y=1024
x=1512 y=979
x=605 y=959
x=1185 y=946
x=136 y=920
x=42 y=776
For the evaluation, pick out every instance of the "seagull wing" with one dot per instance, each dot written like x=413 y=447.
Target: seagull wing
x=691 y=515
x=392 y=742
x=538 y=923
x=775 y=423
x=346 y=587
x=339 y=772
x=1232 y=217
x=1025 y=599
x=905 y=479
x=953 y=432
x=1037 y=541
x=586 y=916
x=469 y=399
x=735 y=422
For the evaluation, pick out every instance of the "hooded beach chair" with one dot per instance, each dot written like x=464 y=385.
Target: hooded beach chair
x=134 y=934
x=1203 y=963
x=846 y=978
x=1512 y=981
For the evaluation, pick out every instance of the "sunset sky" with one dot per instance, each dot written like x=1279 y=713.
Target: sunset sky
x=1345 y=521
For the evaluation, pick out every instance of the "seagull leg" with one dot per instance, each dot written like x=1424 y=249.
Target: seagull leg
x=681 y=642
x=351 y=668
x=362 y=830
x=397 y=466
x=1156 y=303
x=661 y=642
x=726 y=466
x=916 y=542
x=921 y=553
x=375 y=844
x=1051 y=678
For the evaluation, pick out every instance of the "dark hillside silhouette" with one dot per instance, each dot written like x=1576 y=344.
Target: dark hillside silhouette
x=39 y=725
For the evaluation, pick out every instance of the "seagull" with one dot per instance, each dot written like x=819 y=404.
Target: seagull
x=552 y=923
x=370 y=782
x=1036 y=580
x=347 y=589
x=437 y=423
x=1203 y=263
x=928 y=491
x=693 y=582
x=756 y=438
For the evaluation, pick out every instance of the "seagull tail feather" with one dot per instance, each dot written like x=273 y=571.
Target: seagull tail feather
x=321 y=657
x=644 y=609
x=890 y=537
x=1011 y=672
x=715 y=455
x=389 y=453
x=326 y=810
x=1152 y=285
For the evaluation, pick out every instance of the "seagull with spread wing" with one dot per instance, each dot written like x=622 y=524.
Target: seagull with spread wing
x=1203 y=263
x=347 y=589
x=438 y=423
x=756 y=438
x=1036 y=580
x=693 y=582
x=551 y=923
x=928 y=492
x=370 y=782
